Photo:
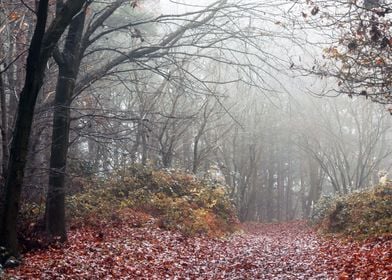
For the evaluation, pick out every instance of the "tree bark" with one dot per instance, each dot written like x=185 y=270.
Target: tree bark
x=19 y=147
x=69 y=63
x=4 y=129
x=41 y=47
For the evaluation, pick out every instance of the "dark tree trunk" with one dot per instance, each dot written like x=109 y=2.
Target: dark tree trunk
x=41 y=47
x=270 y=194
x=315 y=185
x=55 y=215
x=4 y=129
x=195 y=163
x=144 y=146
x=69 y=62
x=167 y=158
x=19 y=147
x=4 y=139
x=290 y=212
x=280 y=190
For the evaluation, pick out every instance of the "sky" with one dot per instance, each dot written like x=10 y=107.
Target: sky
x=180 y=6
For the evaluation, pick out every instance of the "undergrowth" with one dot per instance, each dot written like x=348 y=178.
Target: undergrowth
x=174 y=199
x=360 y=214
x=177 y=199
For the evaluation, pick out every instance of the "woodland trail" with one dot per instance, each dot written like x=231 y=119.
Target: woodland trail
x=270 y=251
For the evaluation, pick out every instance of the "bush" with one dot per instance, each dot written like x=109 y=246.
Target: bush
x=360 y=214
x=321 y=208
x=177 y=199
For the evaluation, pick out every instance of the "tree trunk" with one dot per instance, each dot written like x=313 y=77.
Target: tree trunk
x=144 y=145
x=315 y=185
x=69 y=63
x=4 y=139
x=4 y=129
x=280 y=190
x=41 y=48
x=290 y=211
x=195 y=162
x=55 y=214
x=19 y=147
x=270 y=194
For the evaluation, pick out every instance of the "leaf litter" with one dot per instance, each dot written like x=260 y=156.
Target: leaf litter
x=290 y=250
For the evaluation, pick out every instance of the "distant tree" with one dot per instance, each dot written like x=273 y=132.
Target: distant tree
x=192 y=36
x=352 y=147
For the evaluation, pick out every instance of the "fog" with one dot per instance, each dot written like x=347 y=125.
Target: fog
x=252 y=94
x=278 y=100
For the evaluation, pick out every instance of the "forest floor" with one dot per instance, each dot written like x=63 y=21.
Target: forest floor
x=289 y=250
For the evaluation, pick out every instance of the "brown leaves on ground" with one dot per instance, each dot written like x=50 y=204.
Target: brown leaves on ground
x=272 y=251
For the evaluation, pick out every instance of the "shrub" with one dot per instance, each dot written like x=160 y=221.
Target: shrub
x=359 y=214
x=320 y=208
x=177 y=199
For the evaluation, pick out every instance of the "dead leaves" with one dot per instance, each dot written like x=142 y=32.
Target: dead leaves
x=273 y=251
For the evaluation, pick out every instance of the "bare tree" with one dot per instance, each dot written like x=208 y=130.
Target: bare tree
x=41 y=47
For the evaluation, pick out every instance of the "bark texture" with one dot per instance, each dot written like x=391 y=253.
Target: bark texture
x=69 y=62
x=41 y=48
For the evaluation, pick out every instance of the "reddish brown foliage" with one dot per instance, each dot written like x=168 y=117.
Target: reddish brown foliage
x=274 y=251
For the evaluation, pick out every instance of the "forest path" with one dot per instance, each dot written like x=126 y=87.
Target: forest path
x=263 y=251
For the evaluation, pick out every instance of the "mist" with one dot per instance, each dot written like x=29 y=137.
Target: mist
x=232 y=113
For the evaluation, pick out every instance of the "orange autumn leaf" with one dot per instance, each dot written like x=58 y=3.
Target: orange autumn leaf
x=13 y=16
